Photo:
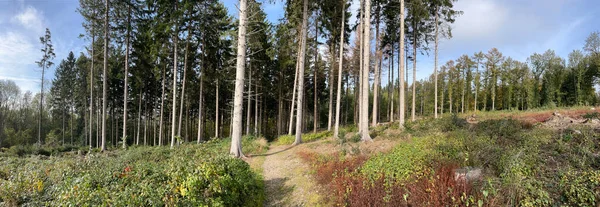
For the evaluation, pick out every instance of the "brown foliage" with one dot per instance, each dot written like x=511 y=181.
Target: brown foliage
x=348 y=187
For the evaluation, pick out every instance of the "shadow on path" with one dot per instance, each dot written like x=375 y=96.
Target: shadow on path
x=282 y=195
x=273 y=153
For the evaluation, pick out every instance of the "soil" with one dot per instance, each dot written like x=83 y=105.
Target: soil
x=288 y=181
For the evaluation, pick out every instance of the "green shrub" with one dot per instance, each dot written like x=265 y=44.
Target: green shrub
x=591 y=115
x=309 y=137
x=190 y=175
x=580 y=188
x=406 y=160
x=453 y=123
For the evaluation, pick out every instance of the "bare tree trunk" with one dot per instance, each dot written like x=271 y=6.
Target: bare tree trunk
x=391 y=84
x=217 y=111
x=316 y=68
x=137 y=138
x=414 y=86
x=145 y=124
x=162 y=109
x=185 y=63
x=435 y=65
x=331 y=79
x=401 y=106
x=301 y=58
x=280 y=105
x=364 y=105
x=249 y=99
x=174 y=105
x=377 y=83
x=477 y=86
x=361 y=32
x=91 y=115
x=293 y=100
x=104 y=79
x=256 y=109
x=125 y=88
x=443 y=86
x=339 y=80
x=200 y=103
x=462 y=101
x=236 y=138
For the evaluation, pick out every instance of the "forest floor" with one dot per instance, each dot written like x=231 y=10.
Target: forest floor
x=287 y=179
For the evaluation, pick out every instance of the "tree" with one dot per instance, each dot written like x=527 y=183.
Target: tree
x=105 y=78
x=444 y=9
x=364 y=103
x=340 y=68
x=478 y=57
x=379 y=55
x=236 y=138
x=494 y=58
x=419 y=35
x=401 y=68
x=301 y=58
x=125 y=88
x=44 y=63
x=175 y=62
x=62 y=91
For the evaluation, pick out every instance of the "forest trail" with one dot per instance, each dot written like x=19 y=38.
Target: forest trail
x=288 y=181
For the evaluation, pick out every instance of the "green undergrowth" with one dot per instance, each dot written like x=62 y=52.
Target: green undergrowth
x=308 y=137
x=521 y=165
x=189 y=175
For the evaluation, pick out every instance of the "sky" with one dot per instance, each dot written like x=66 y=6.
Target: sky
x=518 y=28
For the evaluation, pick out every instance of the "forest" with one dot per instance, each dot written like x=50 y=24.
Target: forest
x=165 y=86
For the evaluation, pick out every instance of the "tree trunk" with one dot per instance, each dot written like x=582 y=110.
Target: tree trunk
x=391 y=84
x=331 y=79
x=162 y=109
x=401 y=67
x=256 y=109
x=339 y=80
x=361 y=32
x=174 y=103
x=301 y=58
x=185 y=63
x=414 y=86
x=364 y=104
x=125 y=88
x=104 y=79
x=463 y=86
x=200 y=103
x=236 y=138
x=435 y=104
x=476 y=84
x=91 y=115
x=217 y=111
x=145 y=125
x=293 y=100
x=316 y=68
x=280 y=105
x=249 y=99
x=377 y=83
x=443 y=86
x=137 y=138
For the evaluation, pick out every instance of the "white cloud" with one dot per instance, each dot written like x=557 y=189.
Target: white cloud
x=15 y=48
x=30 y=18
x=17 y=60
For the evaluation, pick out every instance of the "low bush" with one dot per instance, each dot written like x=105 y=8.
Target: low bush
x=591 y=115
x=309 y=137
x=190 y=175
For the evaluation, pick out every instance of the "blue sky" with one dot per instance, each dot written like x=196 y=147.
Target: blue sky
x=517 y=28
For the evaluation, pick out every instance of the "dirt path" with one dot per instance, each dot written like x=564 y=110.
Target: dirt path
x=288 y=181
